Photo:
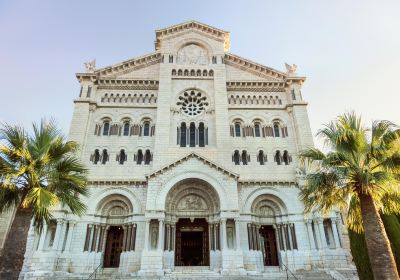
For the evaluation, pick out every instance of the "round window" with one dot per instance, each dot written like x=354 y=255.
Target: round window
x=192 y=103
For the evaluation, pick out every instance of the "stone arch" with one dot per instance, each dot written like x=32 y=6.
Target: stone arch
x=98 y=202
x=192 y=197
x=278 y=201
x=160 y=199
x=182 y=43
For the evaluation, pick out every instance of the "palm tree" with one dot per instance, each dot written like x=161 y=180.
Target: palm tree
x=38 y=172
x=361 y=176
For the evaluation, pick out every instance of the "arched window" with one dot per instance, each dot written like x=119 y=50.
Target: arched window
x=261 y=157
x=183 y=134
x=205 y=73
x=146 y=129
x=147 y=157
x=96 y=156
x=179 y=72
x=236 y=157
x=192 y=135
x=121 y=157
x=199 y=72
x=276 y=129
x=237 y=129
x=104 y=157
x=126 y=128
x=286 y=158
x=173 y=72
x=278 y=157
x=245 y=158
x=211 y=73
x=139 y=158
x=192 y=72
x=106 y=128
x=186 y=73
x=201 y=135
x=257 y=132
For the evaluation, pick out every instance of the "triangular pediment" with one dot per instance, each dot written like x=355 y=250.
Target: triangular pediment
x=244 y=69
x=188 y=157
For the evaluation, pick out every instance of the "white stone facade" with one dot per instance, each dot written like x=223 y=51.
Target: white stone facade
x=188 y=107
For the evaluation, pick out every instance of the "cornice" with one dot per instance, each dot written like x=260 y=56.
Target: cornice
x=254 y=67
x=185 y=158
x=117 y=182
x=272 y=183
x=127 y=84
x=256 y=86
x=193 y=25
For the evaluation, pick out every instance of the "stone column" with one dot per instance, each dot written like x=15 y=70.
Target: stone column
x=147 y=235
x=237 y=234
x=57 y=236
x=322 y=233
x=42 y=237
x=310 y=235
x=62 y=236
x=335 y=233
x=282 y=233
x=277 y=237
x=289 y=231
x=69 y=237
x=160 y=234
x=223 y=235
x=173 y=237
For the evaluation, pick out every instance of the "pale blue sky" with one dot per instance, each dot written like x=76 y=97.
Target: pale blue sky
x=348 y=50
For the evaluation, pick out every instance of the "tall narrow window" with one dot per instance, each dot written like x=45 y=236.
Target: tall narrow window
x=257 y=130
x=126 y=128
x=285 y=157
x=146 y=129
x=96 y=158
x=293 y=94
x=104 y=157
x=237 y=129
x=201 y=135
x=122 y=157
x=183 y=134
x=106 y=128
x=261 y=159
x=236 y=157
x=276 y=129
x=192 y=135
x=244 y=157
x=89 y=91
x=147 y=157
x=278 y=157
x=139 y=157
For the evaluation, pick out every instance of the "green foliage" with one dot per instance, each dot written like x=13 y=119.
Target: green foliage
x=361 y=161
x=39 y=171
x=360 y=255
x=392 y=227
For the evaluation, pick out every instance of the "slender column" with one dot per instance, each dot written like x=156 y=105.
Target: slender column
x=146 y=235
x=128 y=238
x=223 y=234
x=160 y=234
x=69 y=237
x=310 y=235
x=58 y=234
x=173 y=238
x=277 y=237
x=133 y=238
x=282 y=227
x=42 y=237
x=339 y=227
x=289 y=232
x=322 y=233
x=335 y=233
x=124 y=238
x=215 y=235
x=62 y=237
x=237 y=234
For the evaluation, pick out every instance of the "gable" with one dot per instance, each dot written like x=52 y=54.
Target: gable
x=234 y=73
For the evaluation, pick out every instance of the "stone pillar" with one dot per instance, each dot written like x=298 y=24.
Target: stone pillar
x=237 y=234
x=146 y=235
x=310 y=235
x=160 y=235
x=69 y=237
x=173 y=237
x=282 y=233
x=278 y=246
x=62 y=237
x=124 y=238
x=322 y=233
x=335 y=233
x=57 y=236
x=223 y=235
x=42 y=237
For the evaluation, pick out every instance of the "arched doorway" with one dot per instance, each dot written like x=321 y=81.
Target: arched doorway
x=192 y=213
x=265 y=210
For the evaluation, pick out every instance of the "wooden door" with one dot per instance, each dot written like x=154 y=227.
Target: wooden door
x=270 y=249
x=113 y=246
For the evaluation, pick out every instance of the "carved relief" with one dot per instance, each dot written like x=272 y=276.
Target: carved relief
x=192 y=54
x=192 y=202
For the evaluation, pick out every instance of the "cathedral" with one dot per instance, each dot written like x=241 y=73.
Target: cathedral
x=191 y=152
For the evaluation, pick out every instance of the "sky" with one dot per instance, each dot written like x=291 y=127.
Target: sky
x=348 y=50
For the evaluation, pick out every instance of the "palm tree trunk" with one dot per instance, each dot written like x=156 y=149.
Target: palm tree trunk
x=12 y=254
x=379 y=251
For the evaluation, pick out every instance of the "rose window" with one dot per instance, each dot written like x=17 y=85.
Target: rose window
x=192 y=102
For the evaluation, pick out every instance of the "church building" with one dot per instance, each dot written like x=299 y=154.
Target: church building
x=193 y=170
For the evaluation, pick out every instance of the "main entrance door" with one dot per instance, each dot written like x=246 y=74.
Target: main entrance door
x=192 y=243
x=113 y=246
x=270 y=250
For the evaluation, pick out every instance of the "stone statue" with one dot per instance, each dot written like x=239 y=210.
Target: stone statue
x=90 y=66
x=230 y=237
x=291 y=69
x=154 y=233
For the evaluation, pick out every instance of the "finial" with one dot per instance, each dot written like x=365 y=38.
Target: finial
x=90 y=66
